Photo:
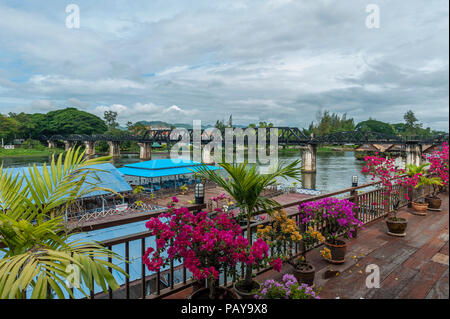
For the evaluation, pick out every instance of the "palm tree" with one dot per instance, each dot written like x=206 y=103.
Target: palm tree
x=413 y=169
x=245 y=184
x=434 y=181
x=40 y=258
x=417 y=170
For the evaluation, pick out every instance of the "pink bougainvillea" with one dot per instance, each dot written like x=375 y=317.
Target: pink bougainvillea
x=219 y=197
x=384 y=170
x=335 y=217
x=439 y=163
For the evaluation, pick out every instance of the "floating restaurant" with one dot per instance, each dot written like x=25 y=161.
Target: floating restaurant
x=101 y=201
x=162 y=173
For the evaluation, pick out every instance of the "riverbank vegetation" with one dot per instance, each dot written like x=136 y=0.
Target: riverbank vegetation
x=328 y=123
x=30 y=148
x=22 y=152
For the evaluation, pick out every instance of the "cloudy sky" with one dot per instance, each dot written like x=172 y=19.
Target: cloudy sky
x=260 y=60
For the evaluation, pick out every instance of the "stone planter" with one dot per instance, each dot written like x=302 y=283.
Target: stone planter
x=246 y=294
x=338 y=251
x=396 y=226
x=304 y=272
x=434 y=203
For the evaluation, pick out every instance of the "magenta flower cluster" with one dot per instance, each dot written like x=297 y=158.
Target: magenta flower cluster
x=334 y=216
x=219 y=197
x=205 y=245
x=388 y=175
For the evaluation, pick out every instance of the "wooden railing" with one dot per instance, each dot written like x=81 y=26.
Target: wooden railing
x=369 y=199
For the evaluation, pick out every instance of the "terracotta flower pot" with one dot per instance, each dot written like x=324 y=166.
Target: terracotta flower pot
x=222 y=293
x=338 y=251
x=396 y=226
x=304 y=272
x=246 y=294
x=420 y=208
x=433 y=202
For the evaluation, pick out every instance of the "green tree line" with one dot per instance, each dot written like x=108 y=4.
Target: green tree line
x=73 y=121
x=328 y=123
x=64 y=122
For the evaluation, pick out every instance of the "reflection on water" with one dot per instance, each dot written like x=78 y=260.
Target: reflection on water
x=334 y=169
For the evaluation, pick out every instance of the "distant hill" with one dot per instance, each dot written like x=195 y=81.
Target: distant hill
x=161 y=124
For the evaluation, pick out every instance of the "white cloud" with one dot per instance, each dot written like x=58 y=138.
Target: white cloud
x=274 y=60
x=43 y=106
x=147 y=111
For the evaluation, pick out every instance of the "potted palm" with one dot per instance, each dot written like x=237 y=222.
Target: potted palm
x=416 y=173
x=433 y=201
x=184 y=188
x=245 y=184
x=439 y=168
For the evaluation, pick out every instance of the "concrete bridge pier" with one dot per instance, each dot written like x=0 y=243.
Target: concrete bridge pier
x=51 y=144
x=145 y=151
x=90 y=148
x=207 y=157
x=68 y=145
x=114 y=148
x=413 y=153
x=309 y=155
x=309 y=180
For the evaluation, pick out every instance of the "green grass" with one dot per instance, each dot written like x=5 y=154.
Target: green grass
x=320 y=149
x=29 y=152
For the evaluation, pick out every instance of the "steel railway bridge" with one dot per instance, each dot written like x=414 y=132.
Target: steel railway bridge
x=414 y=147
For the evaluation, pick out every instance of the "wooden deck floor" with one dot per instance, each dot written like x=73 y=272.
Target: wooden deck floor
x=412 y=267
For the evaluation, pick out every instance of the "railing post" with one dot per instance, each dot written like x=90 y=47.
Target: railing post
x=387 y=204
x=410 y=191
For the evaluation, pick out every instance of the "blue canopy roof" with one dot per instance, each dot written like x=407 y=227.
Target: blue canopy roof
x=109 y=177
x=162 y=167
x=164 y=163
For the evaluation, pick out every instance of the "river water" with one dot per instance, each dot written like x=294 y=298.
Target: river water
x=334 y=169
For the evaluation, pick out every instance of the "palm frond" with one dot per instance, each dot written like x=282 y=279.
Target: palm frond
x=38 y=248
x=245 y=184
